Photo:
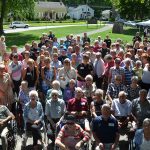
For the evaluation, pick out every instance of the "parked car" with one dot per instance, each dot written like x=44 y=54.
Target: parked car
x=120 y=20
x=130 y=23
x=18 y=24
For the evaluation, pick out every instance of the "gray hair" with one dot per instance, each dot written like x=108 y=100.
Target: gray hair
x=54 y=92
x=89 y=77
x=138 y=62
x=56 y=82
x=35 y=93
x=72 y=80
x=107 y=106
x=123 y=93
x=127 y=60
x=99 y=92
x=143 y=91
x=146 y=122
x=134 y=78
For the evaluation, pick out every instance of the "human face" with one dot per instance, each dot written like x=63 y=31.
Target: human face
x=118 y=80
x=146 y=128
x=33 y=97
x=106 y=112
x=88 y=81
x=71 y=85
x=122 y=98
x=79 y=94
x=142 y=96
x=54 y=96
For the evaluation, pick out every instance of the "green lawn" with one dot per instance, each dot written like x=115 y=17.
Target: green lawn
x=126 y=36
x=21 y=38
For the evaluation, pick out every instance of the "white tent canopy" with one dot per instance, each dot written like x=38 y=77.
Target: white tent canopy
x=144 y=23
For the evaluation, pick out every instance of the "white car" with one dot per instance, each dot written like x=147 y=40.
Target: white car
x=130 y=23
x=18 y=24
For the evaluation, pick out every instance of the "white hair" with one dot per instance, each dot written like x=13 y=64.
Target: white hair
x=99 y=92
x=56 y=82
x=89 y=77
x=54 y=92
x=146 y=121
x=33 y=92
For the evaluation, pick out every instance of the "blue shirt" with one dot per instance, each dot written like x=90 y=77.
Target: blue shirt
x=105 y=130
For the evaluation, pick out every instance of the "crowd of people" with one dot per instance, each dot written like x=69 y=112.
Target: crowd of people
x=100 y=89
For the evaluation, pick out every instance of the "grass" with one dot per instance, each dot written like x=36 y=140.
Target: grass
x=21 y=38
x=126 y=37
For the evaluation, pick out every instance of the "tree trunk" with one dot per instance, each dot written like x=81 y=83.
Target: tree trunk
x=3 y=7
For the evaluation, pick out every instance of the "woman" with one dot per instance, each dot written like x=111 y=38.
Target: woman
x=55 y=86
x=6 y=93
x=48 y=75
x=71 y=135
x=83 y=70
x=34 y=117
x=133 y=89
x=128 y=71
x=89 y=88
x=74 y=62
x=69 y=91
x=97 y=103
x=142 y=136
x=31 y=75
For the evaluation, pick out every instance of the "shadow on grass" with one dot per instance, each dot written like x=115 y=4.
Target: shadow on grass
x=130 y=31
x=20 y=39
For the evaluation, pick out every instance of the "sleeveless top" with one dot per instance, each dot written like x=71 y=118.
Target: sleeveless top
x=31 y=77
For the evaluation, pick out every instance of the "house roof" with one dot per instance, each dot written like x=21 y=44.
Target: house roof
x=49 y=6
x=78 y=7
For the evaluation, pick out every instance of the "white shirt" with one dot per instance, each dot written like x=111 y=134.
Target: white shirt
x=121 y=109
x=145 y=144
x=99 y=67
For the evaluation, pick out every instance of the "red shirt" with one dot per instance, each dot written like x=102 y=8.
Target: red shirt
x=77 y=105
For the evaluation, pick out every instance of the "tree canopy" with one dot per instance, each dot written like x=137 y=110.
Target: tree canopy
x=18 y=9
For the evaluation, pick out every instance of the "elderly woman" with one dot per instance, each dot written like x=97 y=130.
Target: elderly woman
x=66 y=73
x=69 y=91
x=34 y=117
x=89 y=88
x=142 y=136
x=97 y=103
x=6 y=93
x=114 y=88
x=71 y=136
x=55 y=86
x=133 y=89
x=128 y=71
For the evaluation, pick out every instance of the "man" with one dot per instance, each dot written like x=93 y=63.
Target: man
x=85 y=38
x=105 y=130
x=5 y=116
x=99 y=69
x=108 y=41
x=121 y=108
x=54 y=110
x=104 y=50
x=141 y=108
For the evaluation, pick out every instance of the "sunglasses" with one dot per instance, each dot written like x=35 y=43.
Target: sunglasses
x=54 y=95
x=70 y=123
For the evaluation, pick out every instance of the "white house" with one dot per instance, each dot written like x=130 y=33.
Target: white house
x=80 y=12
x=50 y=10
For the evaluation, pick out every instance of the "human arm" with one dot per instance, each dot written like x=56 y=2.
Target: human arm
x=92 y=110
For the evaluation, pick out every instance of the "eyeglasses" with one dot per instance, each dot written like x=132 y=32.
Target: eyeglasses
x=54 y=95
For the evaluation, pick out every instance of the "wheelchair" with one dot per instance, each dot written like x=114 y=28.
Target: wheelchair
x=11 y=135
x=28 y=134
x=82 y=123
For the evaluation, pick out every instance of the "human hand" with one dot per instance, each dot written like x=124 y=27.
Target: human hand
x=113 y=147
x=78 y=145
x=1 y=123
x=36 y=122
x=101 y=146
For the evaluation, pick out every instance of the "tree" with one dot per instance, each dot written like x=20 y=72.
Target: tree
x=19 y=8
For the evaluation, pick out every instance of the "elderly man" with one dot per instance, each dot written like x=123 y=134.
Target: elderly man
x=141 y=108
x=54 y=110
x=105 y=130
